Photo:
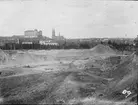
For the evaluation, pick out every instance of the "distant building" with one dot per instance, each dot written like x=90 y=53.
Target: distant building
x=33 y=33
x=54 y=37
x=48 y=42
x=18 y=36
x=8 y=40
x=29 y=41
x=85 y=40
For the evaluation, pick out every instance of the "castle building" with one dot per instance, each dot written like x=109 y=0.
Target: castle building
x=32 y=33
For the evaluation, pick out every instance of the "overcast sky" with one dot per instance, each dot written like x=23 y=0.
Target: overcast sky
x=72 y=18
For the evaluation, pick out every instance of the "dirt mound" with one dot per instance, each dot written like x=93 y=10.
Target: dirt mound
x=3 y=57
x=121 y=73
x=124 y=77
x=125 y=67
x=77 y=83
x=25 y=58
x=102 y=49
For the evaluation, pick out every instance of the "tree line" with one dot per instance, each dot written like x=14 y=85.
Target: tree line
x=121 y=46
x=71 y=45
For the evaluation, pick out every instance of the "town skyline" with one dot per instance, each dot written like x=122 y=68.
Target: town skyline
x=73 y=19
x=60 y=35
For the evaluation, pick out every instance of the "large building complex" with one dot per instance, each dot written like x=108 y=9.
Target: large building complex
x=30 y=37
x=33 y=33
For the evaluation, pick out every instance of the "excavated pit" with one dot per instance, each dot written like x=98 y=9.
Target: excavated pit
x=69 y=76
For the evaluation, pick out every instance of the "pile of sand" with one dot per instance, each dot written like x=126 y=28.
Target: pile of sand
x=125 y=77
x=25 y=58
x=3 y=57
x=102 y=49
x=122 y=73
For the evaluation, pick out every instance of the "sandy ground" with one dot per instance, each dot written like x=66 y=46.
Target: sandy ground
x=71 y=76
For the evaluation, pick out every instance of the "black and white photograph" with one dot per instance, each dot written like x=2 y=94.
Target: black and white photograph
x=68 y=52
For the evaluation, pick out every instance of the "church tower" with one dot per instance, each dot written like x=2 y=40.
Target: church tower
x=53 y=33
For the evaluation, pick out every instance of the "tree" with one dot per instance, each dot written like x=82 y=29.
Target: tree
x=84 y=45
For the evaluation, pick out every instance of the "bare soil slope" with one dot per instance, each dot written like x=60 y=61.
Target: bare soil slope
x=102 y=49
x=69 y=83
